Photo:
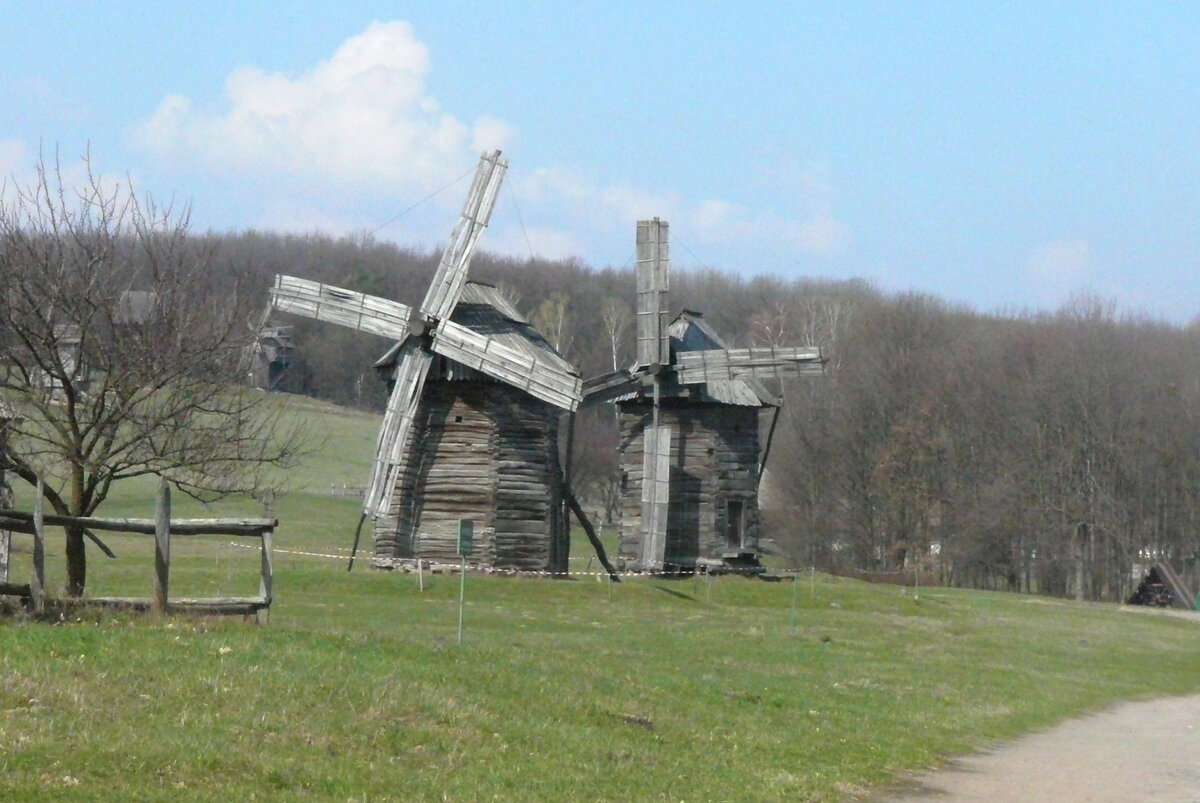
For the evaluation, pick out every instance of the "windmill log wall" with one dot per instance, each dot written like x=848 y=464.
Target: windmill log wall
x=714 y=468
x=486 y=452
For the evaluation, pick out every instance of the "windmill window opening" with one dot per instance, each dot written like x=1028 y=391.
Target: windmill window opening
x=735 y=524
x=458 y=419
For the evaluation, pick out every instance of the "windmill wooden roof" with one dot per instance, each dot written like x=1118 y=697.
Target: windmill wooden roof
x=483 y=309
x=690 y=332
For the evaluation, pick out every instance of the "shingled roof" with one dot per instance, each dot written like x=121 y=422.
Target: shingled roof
x=483 y=309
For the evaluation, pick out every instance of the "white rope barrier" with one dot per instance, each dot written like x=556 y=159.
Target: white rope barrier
x=447 y=568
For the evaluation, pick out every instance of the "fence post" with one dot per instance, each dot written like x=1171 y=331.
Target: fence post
x=37 y=583
x=162 y=546
x=264 y=584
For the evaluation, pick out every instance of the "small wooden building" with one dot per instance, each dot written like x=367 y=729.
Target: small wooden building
x=272 y=357
x=716 y=450
x=1162 y=588
x=80 y=356
x=482 y=450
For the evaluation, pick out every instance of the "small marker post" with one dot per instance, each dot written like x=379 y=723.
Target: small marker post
x=795 y=592
x=466 y=538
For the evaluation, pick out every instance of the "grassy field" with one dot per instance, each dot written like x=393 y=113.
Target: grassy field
x=732 y=689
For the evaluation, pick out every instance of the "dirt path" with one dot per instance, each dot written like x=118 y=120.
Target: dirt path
x=1135 y=751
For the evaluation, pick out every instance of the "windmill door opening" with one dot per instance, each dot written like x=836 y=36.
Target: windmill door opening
x=735 y=525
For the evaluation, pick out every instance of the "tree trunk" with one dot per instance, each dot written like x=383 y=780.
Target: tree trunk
x=1081 y=534
x=76 y=562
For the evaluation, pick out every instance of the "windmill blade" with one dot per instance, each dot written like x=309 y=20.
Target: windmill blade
x=609 y=386
x=392 y=448
x=656 y=494
x=324 y=302
x=452 y=270
x=254 y=348
x=530 y=370
x=653 y=265
x=714 y=365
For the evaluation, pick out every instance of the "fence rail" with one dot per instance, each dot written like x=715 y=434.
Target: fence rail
x=163 y=528
x=342 y=489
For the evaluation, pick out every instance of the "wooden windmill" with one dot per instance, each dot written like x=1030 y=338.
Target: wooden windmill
x=689 y=416
x=470 y=429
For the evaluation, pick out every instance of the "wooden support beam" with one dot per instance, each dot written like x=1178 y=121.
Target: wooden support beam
x=162 y=546
x=15 y=590
x=268 y=574
x=37 y=583
x=236 y=528
x=762 y=463
x=591 y=534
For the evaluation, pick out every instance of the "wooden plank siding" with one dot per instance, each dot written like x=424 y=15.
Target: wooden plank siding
x=487 y=452
x=713 y=462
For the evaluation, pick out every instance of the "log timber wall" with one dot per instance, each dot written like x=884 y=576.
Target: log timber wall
x=714 y=468
x=487 y=452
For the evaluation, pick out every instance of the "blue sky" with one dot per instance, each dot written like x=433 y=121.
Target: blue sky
x=1006 y=156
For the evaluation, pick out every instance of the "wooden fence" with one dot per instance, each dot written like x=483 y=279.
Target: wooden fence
x=163 y=528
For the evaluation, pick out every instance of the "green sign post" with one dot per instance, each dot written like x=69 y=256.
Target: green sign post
x=466 y=537
x=466 y=545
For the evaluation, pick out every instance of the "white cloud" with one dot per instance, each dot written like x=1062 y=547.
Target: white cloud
x=362 y=118
x=1058 y=269
x=601 y=204
x=541 y=241
x=359 y=136
x=76 y=173
x=823 y=235
x=719 y=221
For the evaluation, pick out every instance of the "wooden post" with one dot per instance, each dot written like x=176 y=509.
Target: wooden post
x=268 y=575
x=162 y=546
x=565 y=565
x=794 y=618
x=466 y=546
x=37 y=583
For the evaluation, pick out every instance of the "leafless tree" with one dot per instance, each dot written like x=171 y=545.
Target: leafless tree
x=553 y=319
x=122 y=343
x=617 y=318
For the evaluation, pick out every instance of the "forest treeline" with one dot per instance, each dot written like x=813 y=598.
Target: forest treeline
x=1048 y=453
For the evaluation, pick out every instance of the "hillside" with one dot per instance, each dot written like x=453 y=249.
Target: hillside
x=814 y=688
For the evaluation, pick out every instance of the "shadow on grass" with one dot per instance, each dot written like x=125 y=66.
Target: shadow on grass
x=674 y=593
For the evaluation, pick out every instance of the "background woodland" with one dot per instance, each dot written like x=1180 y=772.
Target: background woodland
x=1051 y=453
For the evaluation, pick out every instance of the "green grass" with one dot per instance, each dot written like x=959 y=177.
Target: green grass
x=575 y=690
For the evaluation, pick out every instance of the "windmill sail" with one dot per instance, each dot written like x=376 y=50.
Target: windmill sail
x=721 y=365
x=415 y=356
x=653 y=264
x=392 y=446
x=535 y=373
x=607 y=387
x=324 y=302
x=656 y=494
x=447 y=283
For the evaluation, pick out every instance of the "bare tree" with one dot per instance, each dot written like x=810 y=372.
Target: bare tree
x=121 y=346
x=617 y=319
x=553 y=319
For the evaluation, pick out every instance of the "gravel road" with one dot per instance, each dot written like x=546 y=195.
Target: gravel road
x=1133 y=752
